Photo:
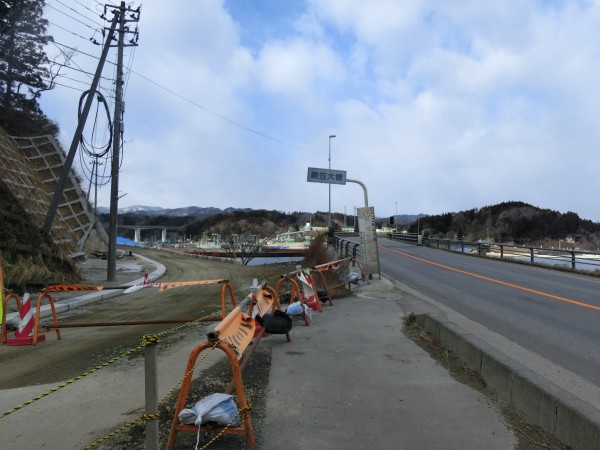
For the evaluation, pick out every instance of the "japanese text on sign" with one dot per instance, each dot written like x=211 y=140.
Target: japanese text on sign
x=326 y=176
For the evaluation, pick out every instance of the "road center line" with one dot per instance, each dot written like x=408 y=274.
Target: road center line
x=493 y=280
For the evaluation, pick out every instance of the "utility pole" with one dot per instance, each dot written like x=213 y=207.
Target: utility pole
x=329 y=159
x=111 y=273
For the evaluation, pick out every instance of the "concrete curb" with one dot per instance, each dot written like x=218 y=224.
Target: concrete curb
x=568 y=418
x=86 y=299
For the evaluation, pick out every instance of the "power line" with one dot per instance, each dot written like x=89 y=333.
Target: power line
x=69 y=31
x=90 y=10
x=81 y=70
x=222 y=117
x=64 y=77
x=79 y=51
x=67 y=86
x=259 y=133
x=73 y=18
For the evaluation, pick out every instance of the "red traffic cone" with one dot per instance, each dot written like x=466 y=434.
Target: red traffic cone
x=24 y=334
x=146 y=279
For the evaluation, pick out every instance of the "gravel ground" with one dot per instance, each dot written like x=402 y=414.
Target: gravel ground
x=97 y=404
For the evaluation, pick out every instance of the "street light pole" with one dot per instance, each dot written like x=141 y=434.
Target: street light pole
x=329 y=219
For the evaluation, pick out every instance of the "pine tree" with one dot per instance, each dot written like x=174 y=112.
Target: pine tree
x=23 y=63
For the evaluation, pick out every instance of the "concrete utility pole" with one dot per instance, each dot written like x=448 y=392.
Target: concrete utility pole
x=111 y=273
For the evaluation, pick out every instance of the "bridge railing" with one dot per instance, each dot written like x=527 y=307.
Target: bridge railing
x=345 y=247
x=560 y=258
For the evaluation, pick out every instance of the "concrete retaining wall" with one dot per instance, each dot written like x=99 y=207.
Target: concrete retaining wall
x=558 y=412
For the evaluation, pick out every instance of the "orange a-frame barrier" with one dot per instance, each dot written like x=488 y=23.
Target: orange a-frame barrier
x=348 y=263
x=309 y=290
x=225 y=287
x=34 y=341
x=232 y=336
x=295 y=292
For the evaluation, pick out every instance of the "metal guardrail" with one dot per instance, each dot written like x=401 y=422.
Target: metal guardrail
x=573 y=259
x=347 y=248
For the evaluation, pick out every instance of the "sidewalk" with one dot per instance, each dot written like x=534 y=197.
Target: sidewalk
x=353 y=380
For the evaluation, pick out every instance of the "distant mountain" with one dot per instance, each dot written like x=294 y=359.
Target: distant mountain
x=406 y=219
x=139 y=209
x=177 y=212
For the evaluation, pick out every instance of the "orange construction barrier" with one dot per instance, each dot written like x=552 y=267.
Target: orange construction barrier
x=265 y=302
x=32 y=322
x=225 y=287
x=348 y=264
x=295 y=292
x=246 y=423
x=232 y=336
x=24 y=332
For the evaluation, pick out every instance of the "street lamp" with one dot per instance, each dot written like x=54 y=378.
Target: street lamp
x=329 y=221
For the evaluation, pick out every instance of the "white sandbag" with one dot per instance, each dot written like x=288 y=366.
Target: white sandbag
x=219 y=408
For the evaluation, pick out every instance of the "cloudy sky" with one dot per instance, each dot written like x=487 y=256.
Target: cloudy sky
x=436 y=106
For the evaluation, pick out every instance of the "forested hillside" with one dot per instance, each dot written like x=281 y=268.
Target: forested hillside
x=260 y=222
x=516 y=222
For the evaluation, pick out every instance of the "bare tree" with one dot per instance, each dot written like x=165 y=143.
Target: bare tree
x=245 y=246
x=242 y=240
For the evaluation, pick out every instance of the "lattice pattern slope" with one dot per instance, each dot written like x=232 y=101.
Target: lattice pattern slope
x=30 y=167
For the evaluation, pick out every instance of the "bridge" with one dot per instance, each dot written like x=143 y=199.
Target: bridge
x=138 y=230
x=530 y=332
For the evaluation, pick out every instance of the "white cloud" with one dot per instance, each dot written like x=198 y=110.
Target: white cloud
x=436 y=106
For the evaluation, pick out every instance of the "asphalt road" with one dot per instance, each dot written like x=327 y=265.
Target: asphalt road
x=552 y=317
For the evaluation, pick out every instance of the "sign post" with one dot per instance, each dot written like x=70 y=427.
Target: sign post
x=367 y=231
x=366 y=216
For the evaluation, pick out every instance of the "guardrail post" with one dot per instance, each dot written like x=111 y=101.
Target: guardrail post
x=151 y=392
x=531 y=253
x=501 y=251
x=573 y=260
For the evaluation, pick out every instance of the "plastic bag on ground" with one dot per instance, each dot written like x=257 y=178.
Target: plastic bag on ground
x=352 y=278
x=295 y=308
x=219 y=408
